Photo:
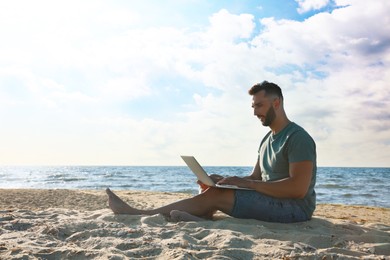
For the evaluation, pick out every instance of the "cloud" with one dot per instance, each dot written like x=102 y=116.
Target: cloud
x=124 y=88
x=309 y=5
x=351 y=61
x=77 y=84
x=225 y=26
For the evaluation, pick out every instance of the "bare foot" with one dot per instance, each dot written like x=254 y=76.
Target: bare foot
x=177 y=215
x=118 y=206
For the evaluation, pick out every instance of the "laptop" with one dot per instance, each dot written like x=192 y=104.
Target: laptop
x=198 y=170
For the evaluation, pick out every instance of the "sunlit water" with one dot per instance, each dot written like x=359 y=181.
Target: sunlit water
x=352 y=186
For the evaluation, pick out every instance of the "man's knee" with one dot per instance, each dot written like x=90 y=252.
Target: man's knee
x=215 y=191
x=219 y=195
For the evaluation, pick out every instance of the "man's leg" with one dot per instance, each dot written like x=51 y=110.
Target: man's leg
x=203 y=204
x=177 y=215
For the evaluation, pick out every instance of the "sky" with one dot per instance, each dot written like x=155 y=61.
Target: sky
x=143 y=82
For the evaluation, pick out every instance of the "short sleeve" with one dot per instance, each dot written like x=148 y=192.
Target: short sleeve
x=301 y=147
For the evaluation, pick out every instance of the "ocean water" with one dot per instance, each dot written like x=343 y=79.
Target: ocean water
x=340 y=185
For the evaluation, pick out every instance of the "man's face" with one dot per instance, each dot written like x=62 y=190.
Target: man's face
x=263 y=109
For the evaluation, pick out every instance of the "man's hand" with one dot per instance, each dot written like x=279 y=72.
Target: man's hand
x=237 y=181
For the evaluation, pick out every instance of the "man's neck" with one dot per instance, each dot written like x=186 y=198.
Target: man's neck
x=279 y=125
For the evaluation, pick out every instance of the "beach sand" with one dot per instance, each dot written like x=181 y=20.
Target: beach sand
x=74 y=224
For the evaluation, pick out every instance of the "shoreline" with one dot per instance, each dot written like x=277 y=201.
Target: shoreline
x=74 y=224
x=81 y=200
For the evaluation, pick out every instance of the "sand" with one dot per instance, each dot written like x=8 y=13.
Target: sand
x=74 y=224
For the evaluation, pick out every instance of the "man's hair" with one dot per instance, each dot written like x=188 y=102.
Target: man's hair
x=269 y=88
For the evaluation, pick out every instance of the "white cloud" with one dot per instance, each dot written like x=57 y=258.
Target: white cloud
x=124 y=88
x=227 y=27
x=308 y=5
x=211 y=55
x=71 y=77
x=354 y=60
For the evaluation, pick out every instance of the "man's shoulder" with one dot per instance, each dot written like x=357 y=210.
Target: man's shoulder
x=298 y=132
x=295 y=128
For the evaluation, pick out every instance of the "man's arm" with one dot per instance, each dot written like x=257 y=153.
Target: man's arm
x=293 y=187
x=255 y=175
x=256 y=172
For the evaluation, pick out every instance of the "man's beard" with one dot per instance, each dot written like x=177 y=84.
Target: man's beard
x=269 y=117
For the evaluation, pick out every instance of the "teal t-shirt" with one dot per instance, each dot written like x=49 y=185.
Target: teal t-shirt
x=276 y=152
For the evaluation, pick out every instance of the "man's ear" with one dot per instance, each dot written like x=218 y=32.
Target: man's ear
x=277 y=103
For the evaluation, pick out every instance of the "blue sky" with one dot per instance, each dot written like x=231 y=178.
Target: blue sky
x=142 y=82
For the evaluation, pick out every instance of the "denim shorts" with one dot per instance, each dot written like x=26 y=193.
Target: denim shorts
x=254 y=205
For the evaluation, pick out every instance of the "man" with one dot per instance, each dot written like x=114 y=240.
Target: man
x=282 y=180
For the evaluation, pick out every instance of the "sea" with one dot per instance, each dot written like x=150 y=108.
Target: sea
x=336 y=185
